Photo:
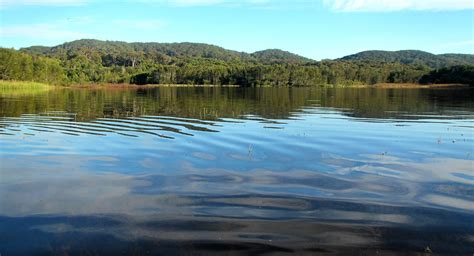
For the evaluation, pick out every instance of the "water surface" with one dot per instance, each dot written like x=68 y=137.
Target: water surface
x=237 y=171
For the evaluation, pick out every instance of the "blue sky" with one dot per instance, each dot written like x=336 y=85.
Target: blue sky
x=313 y=28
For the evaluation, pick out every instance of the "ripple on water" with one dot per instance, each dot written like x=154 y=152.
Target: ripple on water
x=255 y=172
x=163 y=127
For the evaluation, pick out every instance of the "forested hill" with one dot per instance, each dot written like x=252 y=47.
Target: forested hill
x=413 y=57
x=279 y=56
x=116 y=51
x=162 y=52
x=94 y=61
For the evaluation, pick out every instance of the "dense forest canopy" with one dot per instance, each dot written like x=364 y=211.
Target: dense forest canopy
x=170 y=50
x=454 y=74
x=413 y=57
x=16 y=65
x=94 y=61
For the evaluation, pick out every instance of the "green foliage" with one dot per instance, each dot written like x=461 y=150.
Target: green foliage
x=413 y=57
x=21 y=88
x=94 y=61
x=21 y=84
x=454 y=75
x=128 y=54
x=16 y=65
x=278 y=56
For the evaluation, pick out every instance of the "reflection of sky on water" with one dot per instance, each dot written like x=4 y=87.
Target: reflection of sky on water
x=322 y=175
x=66 y=185
x=315 y=155
x=260 y=207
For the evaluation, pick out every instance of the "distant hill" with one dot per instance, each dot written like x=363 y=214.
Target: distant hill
x=114 y=51
x=468 y=58
x=413 y=57
x=95 y=61
x=160 y=51
x=117 y=48
x=279 y=56
x=38 y=50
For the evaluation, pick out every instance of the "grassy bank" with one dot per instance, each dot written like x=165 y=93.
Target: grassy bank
x=22 y=85
x=34 y=86
x=15 y=88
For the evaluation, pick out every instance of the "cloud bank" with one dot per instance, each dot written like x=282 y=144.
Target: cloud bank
x=7 y=3
x=398 y=5
x=334 y=5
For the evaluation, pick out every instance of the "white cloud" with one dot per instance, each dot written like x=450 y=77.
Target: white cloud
x=230 y=3
x=180 y=3
x=397 y=5
x=335 y=5
x=7 y=3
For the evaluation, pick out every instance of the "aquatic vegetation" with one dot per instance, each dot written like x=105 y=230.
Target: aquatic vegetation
x=18 y=88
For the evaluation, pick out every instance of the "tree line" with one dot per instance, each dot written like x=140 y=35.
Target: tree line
x=15 y=65
x=92 y=61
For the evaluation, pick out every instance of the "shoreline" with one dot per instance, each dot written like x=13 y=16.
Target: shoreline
x=409 y=85
x=28 y=84
x=110 y=85
x=381 y=85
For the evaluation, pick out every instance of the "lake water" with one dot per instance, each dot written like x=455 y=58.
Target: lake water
x=237 y=171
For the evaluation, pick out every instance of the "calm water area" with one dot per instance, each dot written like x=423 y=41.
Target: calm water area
x=238 y=171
